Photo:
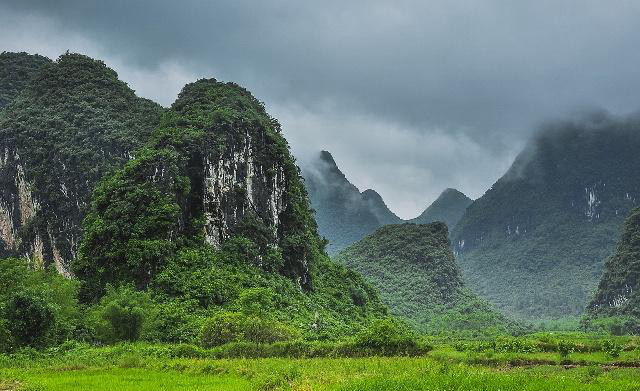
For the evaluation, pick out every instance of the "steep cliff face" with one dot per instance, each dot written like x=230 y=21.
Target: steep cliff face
x=16 y=70
x=448 y=208
x=414 y=268
x=344 y=214
x=71 y=123
x=218 y=168
x=535 y=242
x=618 y=291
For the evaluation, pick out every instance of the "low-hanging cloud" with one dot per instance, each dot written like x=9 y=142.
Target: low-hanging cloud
x=410 y=96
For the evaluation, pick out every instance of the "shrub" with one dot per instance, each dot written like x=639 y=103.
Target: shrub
x=222 y=328
x=612 y=349
x=30 y=319
x=123 y=314
x=565 y=348
x=387 y=337
x=227 y=327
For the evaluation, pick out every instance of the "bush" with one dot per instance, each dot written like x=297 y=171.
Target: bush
x=387 y=337
x=123 y=314
x=565 y=348
x=612 y=349
x=227 y=327
x=222 y=328
x=30 y=319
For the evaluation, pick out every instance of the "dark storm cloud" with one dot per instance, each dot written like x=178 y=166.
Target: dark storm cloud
x=410 y=96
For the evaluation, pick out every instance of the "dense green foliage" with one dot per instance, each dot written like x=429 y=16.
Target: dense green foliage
x=72 y=123
x=37 y=307
x=16 y=70
x=534 y=244
x=415 y=271
x=344 y=214
x=618 y=291
x=448 y=208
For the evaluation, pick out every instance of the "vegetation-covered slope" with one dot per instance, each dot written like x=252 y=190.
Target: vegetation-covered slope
x=344 y=214
x=16 y=70
x=73 y=122
x=619 y=289
x=448 y=208
x=534 y=244
x=415 y=270
x=214 y=206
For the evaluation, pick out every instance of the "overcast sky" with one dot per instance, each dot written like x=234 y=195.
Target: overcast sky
x=410 y=97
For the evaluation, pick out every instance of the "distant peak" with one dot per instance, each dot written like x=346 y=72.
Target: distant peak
x=326 y=157
x=371 y=194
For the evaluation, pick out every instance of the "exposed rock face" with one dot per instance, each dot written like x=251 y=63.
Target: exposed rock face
x=619 y=290
x=553 y=218
x=236 y=183
x=72 y=122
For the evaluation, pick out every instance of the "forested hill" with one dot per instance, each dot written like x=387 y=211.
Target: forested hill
x=72 y=122
x=344 y=214
x=195 y=209
x=534 y=244
x=16 y=70
x=619 y=289
x=414 y=268
x=214 y=204
x=448 y=208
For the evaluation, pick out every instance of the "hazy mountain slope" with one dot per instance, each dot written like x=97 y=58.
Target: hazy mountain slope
x=619 y=289
x=448 y=208
x=73 y=122
x=343 y=213
x=16 y=70
x=534 y=243
x=414 y=268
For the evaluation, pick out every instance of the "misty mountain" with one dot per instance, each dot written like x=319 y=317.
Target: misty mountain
x=414 y=268
x=448 y=208
x=619 y=289
x=344 y=214
x=535 y=242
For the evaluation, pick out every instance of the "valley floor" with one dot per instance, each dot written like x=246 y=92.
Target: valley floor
x=444 y=368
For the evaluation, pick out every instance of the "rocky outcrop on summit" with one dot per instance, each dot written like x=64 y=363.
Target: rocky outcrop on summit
x=71 y=123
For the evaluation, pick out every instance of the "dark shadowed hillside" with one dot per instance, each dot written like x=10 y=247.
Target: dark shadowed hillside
x=448 y=208
x=535 y=242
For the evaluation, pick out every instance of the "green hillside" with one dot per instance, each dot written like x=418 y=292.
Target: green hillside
x=535 y=242
x=617 y=292
x=414 y=269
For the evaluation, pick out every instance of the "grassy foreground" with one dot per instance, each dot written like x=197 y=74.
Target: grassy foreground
x=446 y=367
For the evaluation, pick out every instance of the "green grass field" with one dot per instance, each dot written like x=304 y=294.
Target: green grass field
x=449 y=366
